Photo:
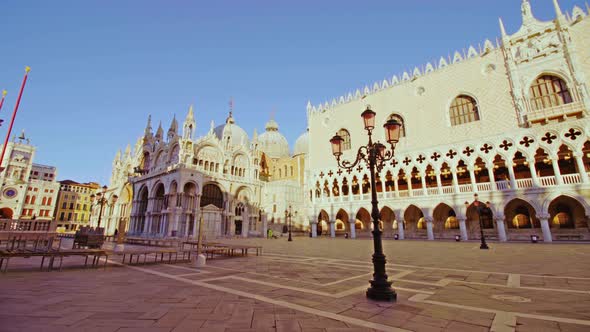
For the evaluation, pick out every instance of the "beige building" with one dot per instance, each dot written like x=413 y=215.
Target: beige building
x=73 y=206
x=28 y=191
x=507 y=120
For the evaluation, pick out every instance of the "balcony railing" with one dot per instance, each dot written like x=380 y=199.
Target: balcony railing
x=545 y=181
x=555 y=112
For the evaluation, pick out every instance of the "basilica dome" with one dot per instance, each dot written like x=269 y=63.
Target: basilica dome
x=302 y=144
x=273 y=143
x=236 y=135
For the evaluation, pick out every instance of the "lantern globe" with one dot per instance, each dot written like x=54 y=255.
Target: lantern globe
x=368 y=118
x=392 y=131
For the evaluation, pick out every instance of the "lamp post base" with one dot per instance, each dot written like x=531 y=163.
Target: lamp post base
x=290 y=239
x=381 y=292
x=484 y=246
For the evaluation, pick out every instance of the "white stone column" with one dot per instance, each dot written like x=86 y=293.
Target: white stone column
x=472 y=177
x=492 y=178
x=511 y=175
x=545 y=228
x=463 y=230
x=314 y=229
x=501 y=228
x=409 y=182
x=429 y=229
x=395 y=186
x=438 y=182
x=400 y=230
x=352 y=230
x=455 y=180
x=533 y=170
x=332 y=228
x=264 y=225
x=581 y=169
x=424 y=189
x=556 y=170
x=245 y=223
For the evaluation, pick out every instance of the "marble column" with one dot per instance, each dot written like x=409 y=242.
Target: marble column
x=491 y=175
x=400 y=230
x=501 y=228
x=533 y=170
x=264 y=225
x=581 y=168
x=314 y=229
x=546 y=229
x=455 y=180
x=352 y=230
x=513 y=184
x=395 y=186
x=424 y=189
x=332 y=228
x=463 y=230
x=556 y=170
x=472 y=177
x=429 y=229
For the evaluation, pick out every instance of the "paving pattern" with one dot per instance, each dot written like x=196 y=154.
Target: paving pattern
x=313 y=285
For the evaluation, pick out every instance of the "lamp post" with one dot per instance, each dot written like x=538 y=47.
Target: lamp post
x=288 y=216
x=481 y=208
x=102 y=201
x=374 y=155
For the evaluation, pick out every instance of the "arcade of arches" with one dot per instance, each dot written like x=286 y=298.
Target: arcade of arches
x=176 y=211
x=563 y=218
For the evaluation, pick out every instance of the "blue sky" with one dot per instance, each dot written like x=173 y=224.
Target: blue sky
x=100 y=67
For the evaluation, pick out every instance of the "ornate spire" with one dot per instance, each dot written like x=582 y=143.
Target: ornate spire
x=502 y=29
x=557 y=8
x=173 y=126
x=128 y=150
x=527 y=13
x=118 y=155
x=189 y=124
x=148 y=127
x=160 y=131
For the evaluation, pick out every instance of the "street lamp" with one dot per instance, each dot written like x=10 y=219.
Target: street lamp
x=481 y=209
x=288 y=216
x=375 y=155
x=102 y=200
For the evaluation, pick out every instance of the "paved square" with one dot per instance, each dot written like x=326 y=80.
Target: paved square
x=313 y=285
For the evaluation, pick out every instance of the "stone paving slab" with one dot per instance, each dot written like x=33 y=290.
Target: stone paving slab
x=311 y=285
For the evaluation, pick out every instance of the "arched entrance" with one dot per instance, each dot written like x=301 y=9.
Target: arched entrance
x=521 y=220
x=342 y=224
x=323 y=220
x=387 y=219
x=415 y=222
x=445 y=223
x=364 y=217
x=6 y=213
x=567 y=214
x=212 y=204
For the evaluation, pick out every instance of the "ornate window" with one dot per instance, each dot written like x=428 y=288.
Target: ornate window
x=346 y=137
x=549 y=91
x=463 y=109
x=399 y=119
x=212 y=195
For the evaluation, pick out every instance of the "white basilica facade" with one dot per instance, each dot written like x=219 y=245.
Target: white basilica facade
x=508 y=121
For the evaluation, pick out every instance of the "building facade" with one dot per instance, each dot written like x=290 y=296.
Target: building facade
x=508 y=121
x=73 y=206
x=230 y=181
x=28 y=190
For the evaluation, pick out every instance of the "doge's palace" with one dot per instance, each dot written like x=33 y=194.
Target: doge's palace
x=507 y=120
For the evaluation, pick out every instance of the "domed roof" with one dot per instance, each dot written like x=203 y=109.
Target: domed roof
x=273 y=143
x=237 y=135
x=302 y=144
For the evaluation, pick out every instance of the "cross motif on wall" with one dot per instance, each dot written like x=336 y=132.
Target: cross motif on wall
x=505 y=145
x=451 y=154
x=330 y=173
x=526 y=141
x=407 y=161
x=549 y=137
x=468 y=151
x=435 y=156
x=359 y=169
x=322 y=174
x=348 y=170
x=486 y=148
x=394 y=163
x=420 y=159
x=339 y=172
x=573 y=134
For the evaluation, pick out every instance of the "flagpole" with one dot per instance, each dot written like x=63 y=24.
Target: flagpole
x=20 y=94
x=2 y=101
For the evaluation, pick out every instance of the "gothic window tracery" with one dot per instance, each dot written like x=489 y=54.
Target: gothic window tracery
x=346 y=145
x=464 y=109
x=549 y=91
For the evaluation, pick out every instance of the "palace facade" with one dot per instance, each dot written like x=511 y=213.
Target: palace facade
x=508 y=121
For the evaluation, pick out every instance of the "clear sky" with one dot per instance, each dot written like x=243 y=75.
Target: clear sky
x=100 y=67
